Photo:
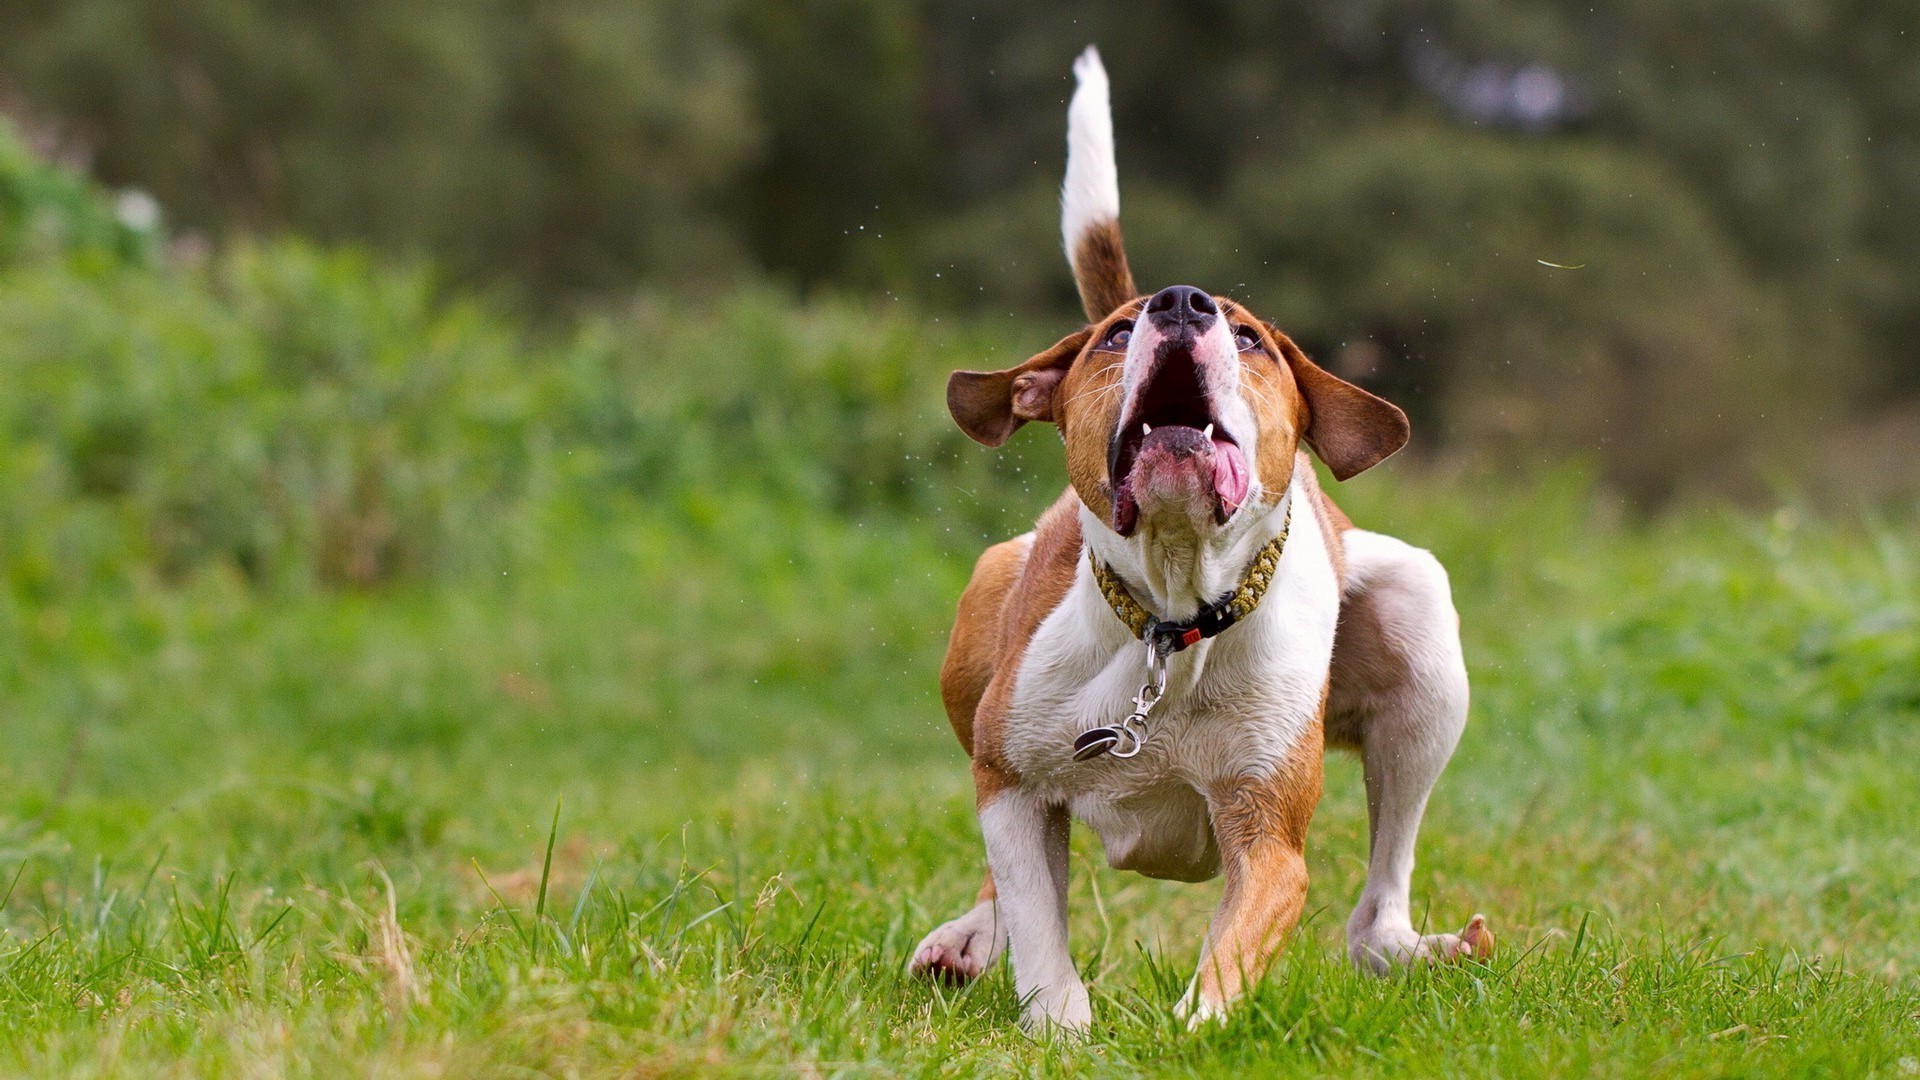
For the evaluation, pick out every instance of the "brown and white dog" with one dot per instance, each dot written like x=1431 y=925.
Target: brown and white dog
x=1183 y=416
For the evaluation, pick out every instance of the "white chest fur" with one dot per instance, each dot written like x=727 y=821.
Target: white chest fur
x=1235 y=706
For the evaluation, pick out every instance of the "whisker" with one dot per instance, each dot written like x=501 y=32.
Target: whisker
x=1097 y=393
x=1263 y=381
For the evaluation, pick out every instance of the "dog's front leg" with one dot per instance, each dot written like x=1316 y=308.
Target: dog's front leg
x=1261 y=826
x=1027 y=850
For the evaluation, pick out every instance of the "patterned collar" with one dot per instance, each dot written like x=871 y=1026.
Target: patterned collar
x=1167 y=636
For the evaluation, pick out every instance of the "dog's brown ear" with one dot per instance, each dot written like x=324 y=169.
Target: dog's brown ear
x=991 y=405
x=1350 y=429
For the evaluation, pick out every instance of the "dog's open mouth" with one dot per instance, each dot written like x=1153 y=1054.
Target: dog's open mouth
x=1171 y=448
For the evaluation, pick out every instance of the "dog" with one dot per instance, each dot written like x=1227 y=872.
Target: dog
x=1169 y=651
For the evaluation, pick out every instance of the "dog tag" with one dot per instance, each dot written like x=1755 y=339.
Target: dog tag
x=1093 y=743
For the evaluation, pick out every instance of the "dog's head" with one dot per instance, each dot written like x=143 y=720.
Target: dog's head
x=1182 y=407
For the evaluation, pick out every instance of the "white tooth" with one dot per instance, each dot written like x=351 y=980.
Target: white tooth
x=1146 y=429
x=1207 y=434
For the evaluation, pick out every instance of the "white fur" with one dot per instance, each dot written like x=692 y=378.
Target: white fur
x=1407 y=731
x=1196 y=1010
x=1091 y=193
x=1027 y=850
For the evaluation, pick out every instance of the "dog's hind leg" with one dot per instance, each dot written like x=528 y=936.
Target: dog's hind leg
x=959 y=950
x=1399 y=695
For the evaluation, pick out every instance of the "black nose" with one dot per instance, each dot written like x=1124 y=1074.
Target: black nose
x=1177 y=304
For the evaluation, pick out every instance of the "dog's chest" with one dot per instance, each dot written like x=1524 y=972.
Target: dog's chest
x=1234 y=706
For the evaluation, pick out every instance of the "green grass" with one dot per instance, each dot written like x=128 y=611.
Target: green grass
x=389 y=689
x=249 y=832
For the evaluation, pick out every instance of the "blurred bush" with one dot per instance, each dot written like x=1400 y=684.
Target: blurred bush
x=49 y=213
x=304 y=419
x=307 y=417
x=282 y=411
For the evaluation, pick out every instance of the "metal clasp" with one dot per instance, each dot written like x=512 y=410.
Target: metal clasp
x=1134 y=727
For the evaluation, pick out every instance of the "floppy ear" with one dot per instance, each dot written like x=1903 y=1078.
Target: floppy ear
x=990 y=405
x=1350 y=429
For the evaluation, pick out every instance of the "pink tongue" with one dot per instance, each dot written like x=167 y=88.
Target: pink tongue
x=1229 y=474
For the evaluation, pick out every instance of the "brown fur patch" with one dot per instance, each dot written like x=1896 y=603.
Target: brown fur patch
x=1366 y=663
x=987 y=890
x=1351 y=429
x=1274 y=398
x=1334 y=518
x=1100 y=269
x=991 y=405
x=1008 y=609
x=1090 y=402
x=974 y=646
x=1334 y=524
x=973 y=649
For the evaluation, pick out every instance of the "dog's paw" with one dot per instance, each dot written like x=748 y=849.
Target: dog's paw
x=957 y=952
x=1380 y=949
x=1058 y=1011
x=1198 y=1011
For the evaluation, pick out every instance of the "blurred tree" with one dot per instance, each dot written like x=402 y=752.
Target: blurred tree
x=572 y=144
x=1766 y=151
x=843 y=158
x=1526 y=299
x=1800 y=126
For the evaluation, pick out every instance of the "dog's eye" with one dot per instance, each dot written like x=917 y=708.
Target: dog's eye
x=1245 y=338
x=1119 y=335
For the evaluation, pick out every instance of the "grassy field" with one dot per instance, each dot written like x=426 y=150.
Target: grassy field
x=313 y=834
x=389 y=689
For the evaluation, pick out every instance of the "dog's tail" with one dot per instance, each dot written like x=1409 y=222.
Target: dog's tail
x=1090 y=197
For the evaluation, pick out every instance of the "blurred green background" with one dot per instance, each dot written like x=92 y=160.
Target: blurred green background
x=1734 y=183
x=415 y=415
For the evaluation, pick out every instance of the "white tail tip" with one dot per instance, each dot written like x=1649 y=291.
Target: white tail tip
x=1091 y=193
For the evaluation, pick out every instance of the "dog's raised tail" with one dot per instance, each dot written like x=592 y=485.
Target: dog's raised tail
x=1090 y=197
